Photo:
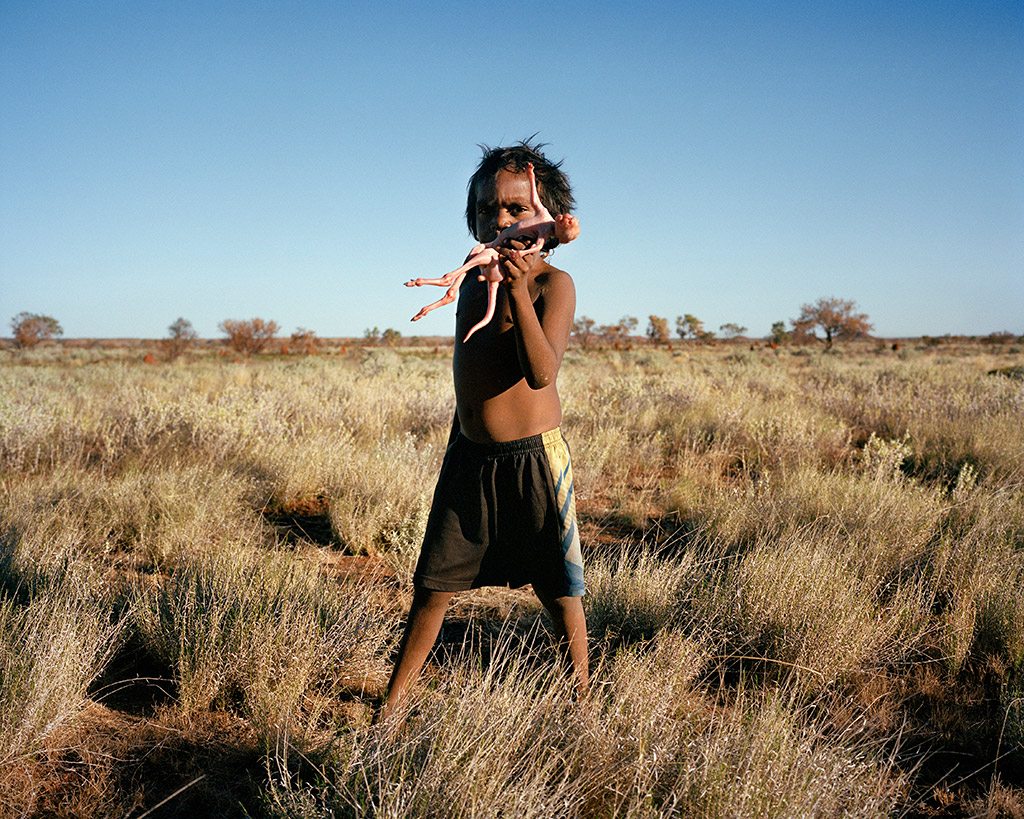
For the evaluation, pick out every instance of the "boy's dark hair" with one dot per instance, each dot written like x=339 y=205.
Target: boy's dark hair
x=553 y=185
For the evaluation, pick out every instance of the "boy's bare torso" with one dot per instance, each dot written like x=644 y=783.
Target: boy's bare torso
x=494 y=400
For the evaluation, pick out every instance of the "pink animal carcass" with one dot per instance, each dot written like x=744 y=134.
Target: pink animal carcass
x=537 y=229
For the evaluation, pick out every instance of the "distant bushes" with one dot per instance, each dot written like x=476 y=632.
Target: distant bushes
x=248 y=337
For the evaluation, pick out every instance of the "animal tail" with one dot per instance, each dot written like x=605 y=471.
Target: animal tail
x=492 y=300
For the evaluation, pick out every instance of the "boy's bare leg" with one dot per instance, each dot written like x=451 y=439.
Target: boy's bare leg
x=421 y=629
x=570 y=624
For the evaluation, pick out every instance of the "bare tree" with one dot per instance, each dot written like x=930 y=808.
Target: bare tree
x=180 y=335
x=29 y=329
x=628 y=325
x=248 y=337
x=836 y=317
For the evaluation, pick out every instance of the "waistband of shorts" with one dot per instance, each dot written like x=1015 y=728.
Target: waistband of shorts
x=521 y=446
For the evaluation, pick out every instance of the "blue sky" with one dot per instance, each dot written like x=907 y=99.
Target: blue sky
x=298 y=161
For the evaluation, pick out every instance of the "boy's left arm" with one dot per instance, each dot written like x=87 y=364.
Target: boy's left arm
x=540 y=339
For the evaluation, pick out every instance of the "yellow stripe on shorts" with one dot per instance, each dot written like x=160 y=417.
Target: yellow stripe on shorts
x=557 y=452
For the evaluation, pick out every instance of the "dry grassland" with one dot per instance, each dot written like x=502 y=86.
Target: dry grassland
x=805 y=574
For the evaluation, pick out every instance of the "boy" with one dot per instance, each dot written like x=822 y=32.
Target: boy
x=503 y=510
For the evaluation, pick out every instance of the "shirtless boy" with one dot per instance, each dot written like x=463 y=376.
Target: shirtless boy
x=503 y=510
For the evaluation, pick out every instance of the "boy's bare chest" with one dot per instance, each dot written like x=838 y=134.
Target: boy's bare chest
x=491 y=353
x=472 y=305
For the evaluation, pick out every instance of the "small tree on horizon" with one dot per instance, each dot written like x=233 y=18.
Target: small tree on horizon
x=180 y=335
x=248 y=337
x=29 y=329
x=628 y=325
x=305 y=340
x=689 y=326
x=610 y=333
x=583 y=330
x=732 y=330
x=779 y=334
x=836 y=317
x=657 y=329
x=618 y=333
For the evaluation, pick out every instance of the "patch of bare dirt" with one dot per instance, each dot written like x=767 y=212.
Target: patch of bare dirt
x=303 y=519
x=116 y=764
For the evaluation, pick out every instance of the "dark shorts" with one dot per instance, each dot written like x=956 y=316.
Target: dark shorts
x=504 y=515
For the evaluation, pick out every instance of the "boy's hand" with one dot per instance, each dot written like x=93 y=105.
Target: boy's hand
x=515 y=267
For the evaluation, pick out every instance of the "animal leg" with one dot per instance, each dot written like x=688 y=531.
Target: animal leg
x=444 y=281
x=447 y=298
x=479 y=258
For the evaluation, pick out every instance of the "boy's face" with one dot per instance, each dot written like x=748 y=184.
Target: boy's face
x=501 y=201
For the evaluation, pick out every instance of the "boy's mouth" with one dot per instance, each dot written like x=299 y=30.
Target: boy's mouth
x=524 y=240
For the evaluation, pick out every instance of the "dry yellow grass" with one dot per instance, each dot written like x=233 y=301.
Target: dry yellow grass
x=805 y=576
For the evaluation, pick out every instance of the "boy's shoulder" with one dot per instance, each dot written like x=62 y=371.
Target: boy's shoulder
x=552 y=277
x=554 y=295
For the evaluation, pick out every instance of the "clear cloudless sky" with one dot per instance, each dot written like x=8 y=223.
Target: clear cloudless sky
x=298 y=161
